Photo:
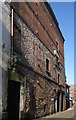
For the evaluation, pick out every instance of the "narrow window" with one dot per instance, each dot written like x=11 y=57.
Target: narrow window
x=58 y=77
x=47 y=64
x=44 y=108
x=57 y=61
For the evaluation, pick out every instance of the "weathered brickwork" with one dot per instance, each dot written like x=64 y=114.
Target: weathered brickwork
x=39 y=88
x=43 y=91
x=44 y=28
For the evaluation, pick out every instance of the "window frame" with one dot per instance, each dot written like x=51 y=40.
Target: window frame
x=48 y=70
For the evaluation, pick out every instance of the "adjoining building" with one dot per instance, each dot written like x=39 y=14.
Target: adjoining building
x=36 y=80
x=73 y=92
x=67 y=96
x=4 y=55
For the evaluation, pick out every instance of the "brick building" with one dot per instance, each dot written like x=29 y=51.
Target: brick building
x=39 y=75
x=73 y=91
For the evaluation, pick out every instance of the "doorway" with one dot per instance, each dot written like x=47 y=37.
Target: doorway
x=58 y=101
x=13 y=100
x=55 y=105
x=62 y=102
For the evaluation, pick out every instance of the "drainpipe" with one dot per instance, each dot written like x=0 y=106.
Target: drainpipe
x=11 y=31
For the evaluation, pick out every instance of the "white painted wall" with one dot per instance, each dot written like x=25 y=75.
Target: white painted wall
x=4 y=51
x=0 y=60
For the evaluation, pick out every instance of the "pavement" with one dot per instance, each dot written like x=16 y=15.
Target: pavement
x=65 y=114
x=69 y=114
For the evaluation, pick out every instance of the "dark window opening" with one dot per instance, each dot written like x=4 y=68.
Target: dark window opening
x=44 y=108
x=57 y=63
x=47 y=64
x=58 y=78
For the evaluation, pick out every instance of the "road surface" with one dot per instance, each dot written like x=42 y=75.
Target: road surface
x=70 y=114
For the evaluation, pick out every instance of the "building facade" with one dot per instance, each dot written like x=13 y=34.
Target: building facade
x=73 y=92
x=36 y=81
x=4 y=55
x=67 y=96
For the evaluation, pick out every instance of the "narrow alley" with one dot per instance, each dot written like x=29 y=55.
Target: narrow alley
x=69 y=114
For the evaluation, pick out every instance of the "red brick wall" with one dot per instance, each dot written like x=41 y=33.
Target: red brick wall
x=32 y=14
x=42 y=88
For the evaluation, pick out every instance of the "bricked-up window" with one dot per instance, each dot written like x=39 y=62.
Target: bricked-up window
x=47 y=64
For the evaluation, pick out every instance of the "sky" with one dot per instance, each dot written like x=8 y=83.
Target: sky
x=64 y=12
